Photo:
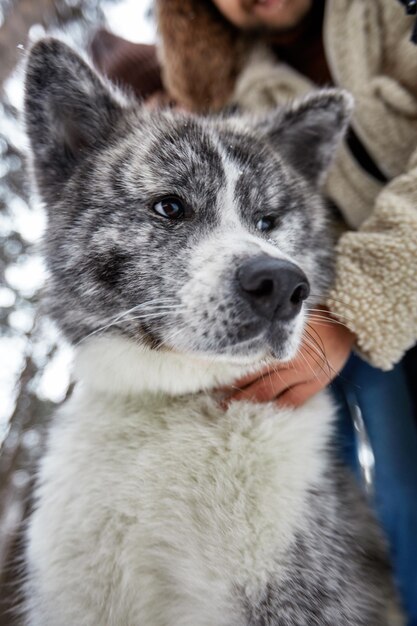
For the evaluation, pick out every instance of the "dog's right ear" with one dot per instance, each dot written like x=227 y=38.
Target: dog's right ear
x=69 y=110
x=307 y=132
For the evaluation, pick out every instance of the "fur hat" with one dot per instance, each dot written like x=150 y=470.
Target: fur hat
x=201 y=53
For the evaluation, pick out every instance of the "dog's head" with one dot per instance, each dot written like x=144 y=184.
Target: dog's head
x=195 y=235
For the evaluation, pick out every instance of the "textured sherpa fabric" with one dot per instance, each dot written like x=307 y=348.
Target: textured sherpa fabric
x=369 y=51
x=376 y=275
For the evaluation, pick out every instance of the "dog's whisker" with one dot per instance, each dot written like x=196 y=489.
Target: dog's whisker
x=315 y=375
x=323 y=321
x=317 y=340
x=320 y=353
x=320 y=311
x=344 y=303
x=144 y=305
x=314 y=350
x=145 y=316
x=319 y=349
x=121 y=317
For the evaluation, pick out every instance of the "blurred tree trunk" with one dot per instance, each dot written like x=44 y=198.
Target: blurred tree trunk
x=20 y=16
x=25 y=438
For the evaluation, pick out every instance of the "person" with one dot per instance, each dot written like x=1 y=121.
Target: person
x=256 y=54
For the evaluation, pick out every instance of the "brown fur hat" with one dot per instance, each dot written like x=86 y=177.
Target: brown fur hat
x=201 y=53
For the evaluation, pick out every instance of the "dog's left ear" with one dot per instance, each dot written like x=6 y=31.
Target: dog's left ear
x=307 y=133
x=68 y=111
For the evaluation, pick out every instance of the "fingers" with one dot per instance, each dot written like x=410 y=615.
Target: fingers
x=269 y=386
x=283 y=391
x=299 y=394
x=255 y=376
x=320 y=357
x=286 y=387
x=264 y=389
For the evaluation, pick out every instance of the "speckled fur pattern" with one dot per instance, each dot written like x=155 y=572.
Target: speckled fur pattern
x=108 y=251
x=154 y=505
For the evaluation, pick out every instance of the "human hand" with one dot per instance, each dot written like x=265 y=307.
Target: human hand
x=324 y=351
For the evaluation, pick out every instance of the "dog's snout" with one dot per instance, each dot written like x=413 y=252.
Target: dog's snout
x=275 y=288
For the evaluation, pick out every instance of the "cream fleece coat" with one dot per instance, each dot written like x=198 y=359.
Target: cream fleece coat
x=368 y=48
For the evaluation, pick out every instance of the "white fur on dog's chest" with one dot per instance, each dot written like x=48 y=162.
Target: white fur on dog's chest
x=162 y=506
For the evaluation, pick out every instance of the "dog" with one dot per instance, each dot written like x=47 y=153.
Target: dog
x=183 y=253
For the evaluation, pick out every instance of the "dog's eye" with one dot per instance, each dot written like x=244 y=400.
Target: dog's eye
x=265 y=224
x=170 y=207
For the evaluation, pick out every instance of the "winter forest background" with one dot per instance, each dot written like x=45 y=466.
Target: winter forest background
x=34 y=361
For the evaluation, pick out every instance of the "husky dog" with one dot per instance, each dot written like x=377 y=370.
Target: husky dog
x=183 y=252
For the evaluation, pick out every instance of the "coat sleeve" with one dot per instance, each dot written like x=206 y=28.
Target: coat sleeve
x=375 y=291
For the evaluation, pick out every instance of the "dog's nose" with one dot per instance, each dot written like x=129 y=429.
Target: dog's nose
x=275 y=288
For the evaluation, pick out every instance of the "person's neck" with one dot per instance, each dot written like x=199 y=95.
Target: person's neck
x=303 y=48
x=304 y=31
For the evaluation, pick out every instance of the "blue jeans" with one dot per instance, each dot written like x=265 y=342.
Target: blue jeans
x=386 y=407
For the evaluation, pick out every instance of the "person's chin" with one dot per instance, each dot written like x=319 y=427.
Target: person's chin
x=279 y=15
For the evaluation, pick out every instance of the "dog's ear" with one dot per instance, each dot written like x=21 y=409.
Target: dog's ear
x=68 y=111
x=307 y=133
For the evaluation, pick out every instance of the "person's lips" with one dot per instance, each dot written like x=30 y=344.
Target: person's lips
x=263 y=7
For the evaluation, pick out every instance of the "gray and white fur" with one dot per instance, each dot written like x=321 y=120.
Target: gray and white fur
x=183 y=253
